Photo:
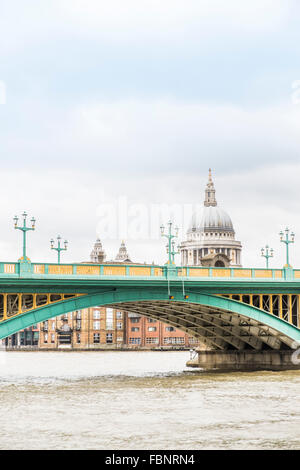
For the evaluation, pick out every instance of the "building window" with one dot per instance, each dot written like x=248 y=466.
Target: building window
x=35 y=338
x=173 y=340
x=170 y=328
x=96 y=325
x=53 y=338
x=119 y=325
x=109 y=338
x=152 y=328
x=78 y=338
x=193 y=340
x=119 y=315
x=96 y=338
x=46 y=338
x=135 y=328
x=134 y=340
x=151 y=340
x=151 y=320
x=96 y=315
x=109 y=319
x=135 y=320
x=53 y=325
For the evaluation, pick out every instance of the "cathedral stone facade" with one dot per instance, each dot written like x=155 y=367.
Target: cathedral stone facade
x=210 y=237
x=123 y=256
x=98 y=254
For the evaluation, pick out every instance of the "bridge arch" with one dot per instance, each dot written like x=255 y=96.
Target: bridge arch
x=219 y=322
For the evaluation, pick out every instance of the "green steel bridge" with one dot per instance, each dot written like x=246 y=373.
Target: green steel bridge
x=227 y=309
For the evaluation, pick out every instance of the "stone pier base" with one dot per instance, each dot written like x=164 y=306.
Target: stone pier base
x=245 y=360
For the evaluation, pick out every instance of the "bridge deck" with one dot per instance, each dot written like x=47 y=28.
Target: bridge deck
x=45 y=270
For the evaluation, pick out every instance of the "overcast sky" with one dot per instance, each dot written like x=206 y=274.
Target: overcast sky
x=131 y=101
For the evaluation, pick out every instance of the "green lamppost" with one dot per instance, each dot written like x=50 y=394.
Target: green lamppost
x=287 y=241
x=173 y=253
x=266 y=254
x=24 y=229
x=58 y=248
x=171 y=243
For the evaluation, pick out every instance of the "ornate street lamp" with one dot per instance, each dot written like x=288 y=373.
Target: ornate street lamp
x=58 y=248
x=171 y=244
x=24 y=229
x=266 y=254
x=287 y=241
x=174 y=252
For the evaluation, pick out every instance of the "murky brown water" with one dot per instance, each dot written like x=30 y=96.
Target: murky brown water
x=141 y=400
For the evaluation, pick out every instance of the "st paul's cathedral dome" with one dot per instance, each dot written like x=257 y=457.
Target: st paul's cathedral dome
x=210 y=236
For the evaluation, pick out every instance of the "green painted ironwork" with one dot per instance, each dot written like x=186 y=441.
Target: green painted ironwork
x=287 y=241
x=174 y=252
x=24 y=229
x=267 y=254
x=117 y=296
x=59 y=248
x=171 y=244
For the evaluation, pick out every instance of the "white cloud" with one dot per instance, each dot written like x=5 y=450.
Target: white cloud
x=155 y=149
x=174 y=16
x=2 y=92
x=154 y=137
x=180 y=136
x=35 y=22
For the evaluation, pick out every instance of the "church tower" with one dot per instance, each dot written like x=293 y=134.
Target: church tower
x=98 y=254
x=122 y=254
x=210 y=192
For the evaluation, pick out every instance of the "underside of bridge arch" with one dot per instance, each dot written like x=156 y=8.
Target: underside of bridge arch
x=215 y=328
x=219 y=323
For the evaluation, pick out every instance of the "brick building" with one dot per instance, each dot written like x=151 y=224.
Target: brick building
x=143 y=332
x=100 y=328
x=92 y=328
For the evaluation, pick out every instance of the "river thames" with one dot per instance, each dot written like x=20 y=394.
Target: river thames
x=142 y=400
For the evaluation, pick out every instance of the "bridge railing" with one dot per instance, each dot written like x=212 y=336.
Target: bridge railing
x=47 y=270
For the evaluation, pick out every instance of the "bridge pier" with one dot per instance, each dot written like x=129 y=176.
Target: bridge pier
x=246 y=360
